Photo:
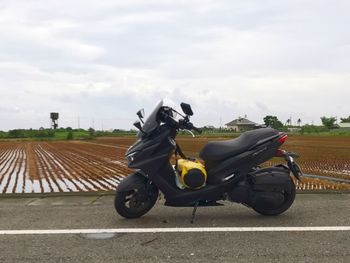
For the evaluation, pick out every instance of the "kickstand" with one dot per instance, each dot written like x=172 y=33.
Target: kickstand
x=194 y=212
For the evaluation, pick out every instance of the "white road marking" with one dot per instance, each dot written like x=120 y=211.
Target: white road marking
x=174 y=230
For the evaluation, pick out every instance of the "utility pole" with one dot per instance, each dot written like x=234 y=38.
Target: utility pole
x=78 y=122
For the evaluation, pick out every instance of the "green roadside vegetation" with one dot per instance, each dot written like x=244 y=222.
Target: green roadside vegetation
x=329 y=127
x=81 y=134
x=307 y=130
x=322 y=131
x=60 y=134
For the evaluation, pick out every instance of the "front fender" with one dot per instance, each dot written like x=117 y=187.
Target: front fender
x=131 y=182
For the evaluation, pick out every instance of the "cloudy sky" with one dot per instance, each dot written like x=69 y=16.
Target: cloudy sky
x=100 y=61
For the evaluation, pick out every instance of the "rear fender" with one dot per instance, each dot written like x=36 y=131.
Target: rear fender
x=132 y=181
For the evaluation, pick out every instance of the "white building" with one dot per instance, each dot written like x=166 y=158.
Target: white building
x=241 y=125
x=344 y=125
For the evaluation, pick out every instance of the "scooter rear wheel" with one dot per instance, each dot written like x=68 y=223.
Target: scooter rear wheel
x=289 y=197
x=136 y=202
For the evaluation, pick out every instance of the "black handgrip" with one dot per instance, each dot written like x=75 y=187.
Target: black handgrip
x=192 y=127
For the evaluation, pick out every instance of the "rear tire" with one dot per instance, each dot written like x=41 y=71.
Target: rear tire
x=288 y=201
x=136 y=202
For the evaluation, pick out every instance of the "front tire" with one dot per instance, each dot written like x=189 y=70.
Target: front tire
x=136 y=202
x=289 y=197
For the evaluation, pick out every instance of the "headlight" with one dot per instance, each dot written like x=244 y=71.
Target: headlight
x=131 y=156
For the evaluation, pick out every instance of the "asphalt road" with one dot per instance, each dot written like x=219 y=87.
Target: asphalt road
x=97 y=212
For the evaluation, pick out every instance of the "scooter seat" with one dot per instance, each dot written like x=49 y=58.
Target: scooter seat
x=220 y=150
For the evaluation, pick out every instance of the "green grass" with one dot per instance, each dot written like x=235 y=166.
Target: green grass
x=77 y=135
x=81 y=134
x=328 y=133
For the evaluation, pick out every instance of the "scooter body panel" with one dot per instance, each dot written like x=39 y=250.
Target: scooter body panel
x=243 y=163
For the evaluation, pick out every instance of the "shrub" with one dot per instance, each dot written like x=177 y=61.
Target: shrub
x=70 y=135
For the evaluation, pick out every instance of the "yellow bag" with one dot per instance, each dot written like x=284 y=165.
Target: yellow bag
x=192 y=174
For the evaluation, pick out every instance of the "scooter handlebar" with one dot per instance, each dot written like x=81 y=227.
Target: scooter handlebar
x=197 y=130
x=190 y=126
x=181 y=124
x=168 y=119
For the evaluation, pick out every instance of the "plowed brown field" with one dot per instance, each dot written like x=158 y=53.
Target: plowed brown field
x=319 y=155
x=39 y=167
x=27 y=167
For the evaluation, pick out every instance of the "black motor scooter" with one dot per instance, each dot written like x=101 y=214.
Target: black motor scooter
x=232 y=168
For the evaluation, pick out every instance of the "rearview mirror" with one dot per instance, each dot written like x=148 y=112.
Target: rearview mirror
x=137 y=124
x=186 y=108
x=141 y=113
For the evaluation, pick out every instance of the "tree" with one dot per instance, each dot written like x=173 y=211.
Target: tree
x=91 y=132
x=345 y=119
x=328 y=122
x=273 y=122
x=299 y=122
x=288 y=122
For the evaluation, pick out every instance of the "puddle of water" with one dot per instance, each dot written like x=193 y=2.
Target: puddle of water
x=28 y=187
x=36 y=186
x=82 y=186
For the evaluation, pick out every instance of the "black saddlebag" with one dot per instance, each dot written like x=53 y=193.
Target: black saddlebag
x=269 y=186
x=271 y=179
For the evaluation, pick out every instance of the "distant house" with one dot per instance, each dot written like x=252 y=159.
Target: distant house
x=209 y=127
x=240 y=125
x=344 y=126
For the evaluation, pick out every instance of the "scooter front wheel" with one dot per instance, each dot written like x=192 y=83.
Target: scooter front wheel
x=136 y=202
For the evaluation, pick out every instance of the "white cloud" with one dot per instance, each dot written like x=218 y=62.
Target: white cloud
x=103 y=61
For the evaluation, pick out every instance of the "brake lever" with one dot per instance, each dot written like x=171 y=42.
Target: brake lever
x=190 y=132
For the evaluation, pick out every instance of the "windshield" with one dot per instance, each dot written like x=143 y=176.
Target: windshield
x=151 y=122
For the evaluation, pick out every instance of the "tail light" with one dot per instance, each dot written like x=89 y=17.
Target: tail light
x=282 y=139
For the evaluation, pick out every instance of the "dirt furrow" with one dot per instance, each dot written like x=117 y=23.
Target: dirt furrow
x=34 y=168
x=100 y=167
x=79 y=169
x=5 y=162
x=6 y=158
x=89 y=170
x=19 y=163
x=97 y=161
x=25 y=171
x=70 y=171
x=63 y=175
x=4 y=155
x=43 y=175
x=10 y=170
x=4 y=174
x=50 y=175
x=85 y=164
